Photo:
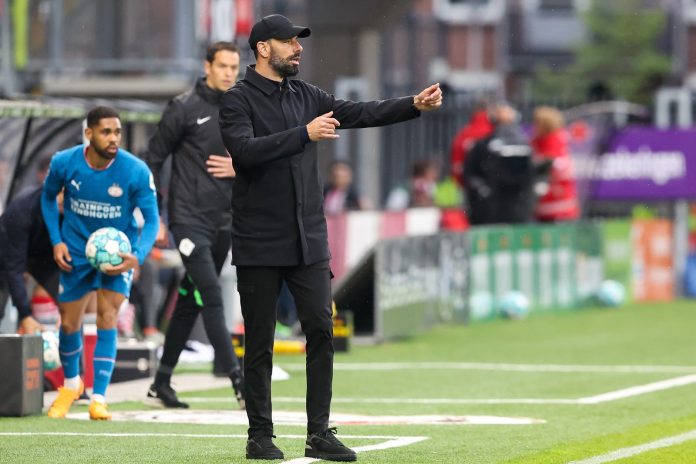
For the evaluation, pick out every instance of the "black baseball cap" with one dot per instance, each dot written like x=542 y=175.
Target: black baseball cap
x=275 y=26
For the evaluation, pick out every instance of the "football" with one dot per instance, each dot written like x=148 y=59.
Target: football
x=51 y=356
x=104 y=245
x=611 y=294
x=514 y=305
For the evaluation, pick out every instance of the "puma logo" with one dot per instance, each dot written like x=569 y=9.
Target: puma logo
x=200 y=121
x=75 y=184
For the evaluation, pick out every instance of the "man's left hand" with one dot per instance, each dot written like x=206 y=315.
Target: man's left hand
x=429 y=99
x=130 y=261
x=220 y=166
x=29 y=326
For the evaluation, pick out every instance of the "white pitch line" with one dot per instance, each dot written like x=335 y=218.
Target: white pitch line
x=623 y=453
x=596 y=399
x=124 y=435
x=130 y=435
x=504 y=367
x=286 y=399
x=395 y=443
x=191 y=435
x=392 y=441
x=639 y=390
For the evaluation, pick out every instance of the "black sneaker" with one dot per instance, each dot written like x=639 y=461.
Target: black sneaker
x=324 y=445
x=263 y=448
x=166 y=394
x=238 y=385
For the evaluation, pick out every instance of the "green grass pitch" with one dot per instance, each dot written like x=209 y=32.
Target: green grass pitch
x=595 y=381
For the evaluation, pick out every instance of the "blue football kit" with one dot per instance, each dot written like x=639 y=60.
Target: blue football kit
x=96 y=198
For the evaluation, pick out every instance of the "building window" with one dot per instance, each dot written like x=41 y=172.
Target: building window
x=556 y=5
x=560 y=6
x=469 y=11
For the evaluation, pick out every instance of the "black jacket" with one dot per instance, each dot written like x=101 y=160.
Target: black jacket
x=189 y=131
x=278 y=201
x=24 y=242
x=499 y=176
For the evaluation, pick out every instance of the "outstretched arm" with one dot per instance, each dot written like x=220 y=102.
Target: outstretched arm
x=382 y=112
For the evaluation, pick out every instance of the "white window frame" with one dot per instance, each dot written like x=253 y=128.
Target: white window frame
x=535 y=5
x=492 y=12
x=689 y=11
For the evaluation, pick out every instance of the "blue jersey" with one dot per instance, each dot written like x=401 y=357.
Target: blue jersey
x=96 y=198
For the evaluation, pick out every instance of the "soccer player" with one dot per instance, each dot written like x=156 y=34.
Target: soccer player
x=271 y=125
x=200 y=219
x=102 y=185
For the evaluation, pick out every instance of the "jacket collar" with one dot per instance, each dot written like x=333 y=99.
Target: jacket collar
x=207 y=93
x=264 y=84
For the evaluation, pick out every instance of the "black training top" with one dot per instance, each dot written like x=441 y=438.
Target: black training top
x=190 y=133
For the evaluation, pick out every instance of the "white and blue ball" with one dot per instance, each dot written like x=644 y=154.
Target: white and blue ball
x=481 y=305
x=104 y=245
x=51 y=355
x=611 y=293
x=514 y=305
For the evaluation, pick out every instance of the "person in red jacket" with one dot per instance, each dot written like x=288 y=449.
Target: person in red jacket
x=550 y=142
x=479 y=126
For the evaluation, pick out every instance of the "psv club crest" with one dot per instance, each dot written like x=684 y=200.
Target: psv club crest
x=115 y=190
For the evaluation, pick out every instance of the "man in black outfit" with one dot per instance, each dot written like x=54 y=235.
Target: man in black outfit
x=25 y=247
x=499 y=173
x=271 y=125
x=199 y=207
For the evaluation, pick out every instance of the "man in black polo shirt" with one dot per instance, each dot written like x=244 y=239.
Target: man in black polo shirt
x=271 y=125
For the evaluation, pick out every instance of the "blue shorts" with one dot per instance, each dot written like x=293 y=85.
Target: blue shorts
x=84 y=278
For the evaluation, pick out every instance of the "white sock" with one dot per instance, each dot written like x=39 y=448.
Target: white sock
x=72 y=383
x=98 y=398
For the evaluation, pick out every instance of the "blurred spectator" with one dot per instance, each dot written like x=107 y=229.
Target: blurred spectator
x=420 y=191
x=25 y=247
x=339 y=193
x=559 y=200
x=499 y=173
x=479 y=126
x=448 y=194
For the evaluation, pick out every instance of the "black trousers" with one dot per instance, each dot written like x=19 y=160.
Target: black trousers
x=203 y=255
x=311 y=287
